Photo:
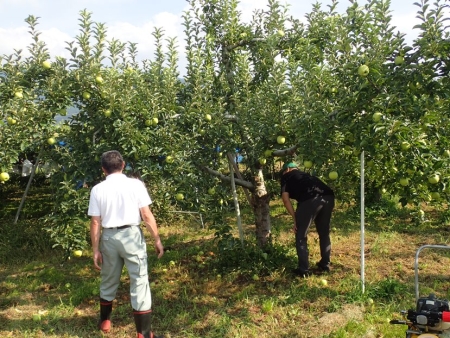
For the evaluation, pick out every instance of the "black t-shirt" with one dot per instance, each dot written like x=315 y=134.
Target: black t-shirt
x=302 y=186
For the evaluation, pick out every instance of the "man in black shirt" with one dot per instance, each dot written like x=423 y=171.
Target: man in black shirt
x=315 y=202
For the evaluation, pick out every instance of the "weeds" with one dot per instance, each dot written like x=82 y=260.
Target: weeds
x=209 y=284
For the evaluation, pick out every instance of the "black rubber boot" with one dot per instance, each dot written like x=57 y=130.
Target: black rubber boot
x=105 y=315
x=143 y=324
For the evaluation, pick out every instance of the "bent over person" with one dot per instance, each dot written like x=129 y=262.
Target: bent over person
x=315 y=203
x=117 y=206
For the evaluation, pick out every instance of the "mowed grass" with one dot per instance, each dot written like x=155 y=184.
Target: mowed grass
x=199 y=291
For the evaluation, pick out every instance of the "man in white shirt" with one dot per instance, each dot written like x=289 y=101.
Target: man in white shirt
x=117 y=206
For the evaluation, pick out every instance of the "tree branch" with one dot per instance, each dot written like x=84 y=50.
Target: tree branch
x=225 y=178
x=284 y=152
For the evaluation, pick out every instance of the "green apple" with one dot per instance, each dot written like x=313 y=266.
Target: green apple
x=370 y=301
x=18 y=94
x=433 y=179
x=405 y=145
x=410 y=171
x=446 y=153
x=399 y=60
x=435 y=195
x=155 y=121
x=179 y=197
x=307 y=164
x=363 y=70
x=333 y=175
x=255 y=277
x=172 y=263
x=99 y=79
x=281 y=139
x=267 y=153
x=323 y=282
x=107 y=113
x=86 y=95
x=4 y=177
x=148 y=123
x=202 y=132
x=264 y=255
x=280 y=33
x=376 y=117
x=10 y=120
x=262 y=161
x=46 y=64
x=51 y=141
x=63 y=112
x=78 y=253
x=208 y=117
x=404 y=181
x=211 y=191
x=36 y=317
x=169 y=159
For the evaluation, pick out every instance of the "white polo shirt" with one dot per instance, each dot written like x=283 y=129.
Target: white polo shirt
x=117 y=200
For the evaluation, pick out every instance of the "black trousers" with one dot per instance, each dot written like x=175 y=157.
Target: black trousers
x=317 y=210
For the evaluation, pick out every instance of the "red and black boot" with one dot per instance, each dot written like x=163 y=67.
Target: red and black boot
x=143 y=326
x=105 y=315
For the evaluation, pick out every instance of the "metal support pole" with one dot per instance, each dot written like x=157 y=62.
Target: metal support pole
x=362 y=224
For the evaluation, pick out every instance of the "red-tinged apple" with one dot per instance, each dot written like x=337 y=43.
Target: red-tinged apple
x=46 y=64
x=434 y=179
x=281 y=139
x=363 y=70
x=307 y=164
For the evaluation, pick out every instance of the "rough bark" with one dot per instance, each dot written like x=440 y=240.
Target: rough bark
x=261 y=210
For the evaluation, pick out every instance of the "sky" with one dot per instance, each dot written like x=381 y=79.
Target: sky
x=135 y=20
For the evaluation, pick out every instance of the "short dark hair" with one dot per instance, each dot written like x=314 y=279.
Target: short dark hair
x=112 y=161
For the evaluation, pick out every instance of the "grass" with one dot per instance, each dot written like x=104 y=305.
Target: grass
x=199 y=291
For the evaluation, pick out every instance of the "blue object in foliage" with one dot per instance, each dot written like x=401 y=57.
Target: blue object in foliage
x=79 y=185
x=239 y=158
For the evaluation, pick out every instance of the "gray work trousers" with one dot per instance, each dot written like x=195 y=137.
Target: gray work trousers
x=319 y=210
x=119 y=247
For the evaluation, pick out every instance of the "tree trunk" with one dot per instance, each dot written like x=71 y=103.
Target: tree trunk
x=261 y=210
